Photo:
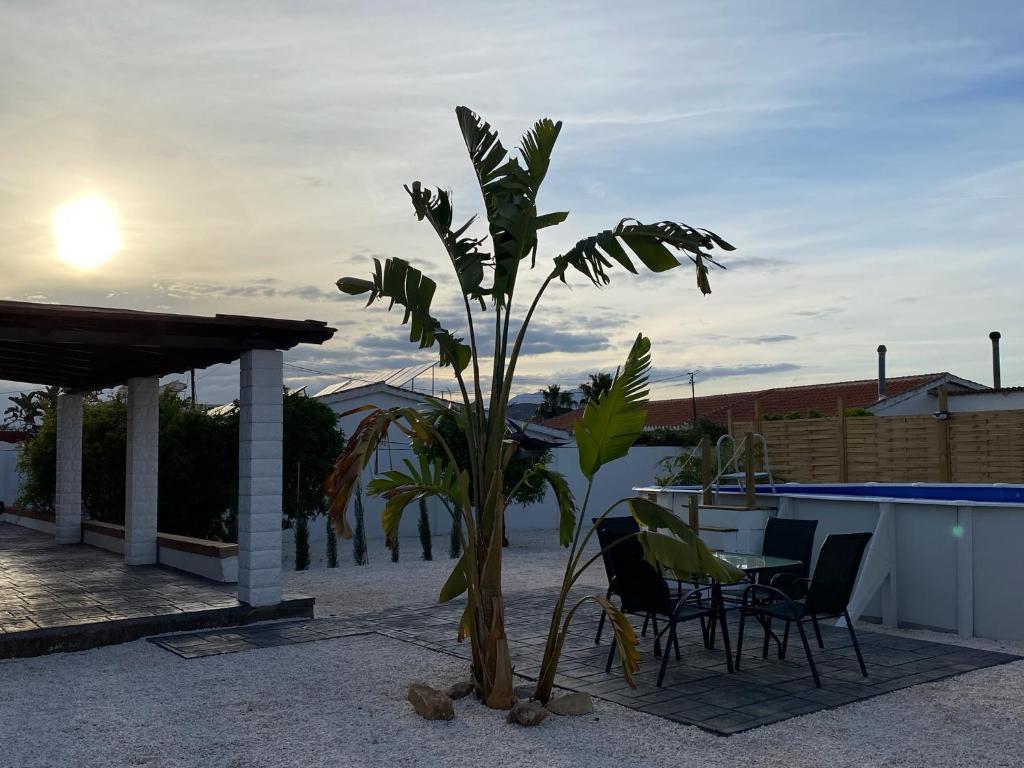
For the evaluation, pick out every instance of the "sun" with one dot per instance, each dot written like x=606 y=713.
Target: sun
x=86 y=232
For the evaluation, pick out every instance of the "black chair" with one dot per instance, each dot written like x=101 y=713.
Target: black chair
x=793 y=540
x=643 y=591
x=610 y=530
x=824 y=596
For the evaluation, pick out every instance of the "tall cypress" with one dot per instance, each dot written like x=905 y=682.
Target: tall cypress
x=424 y=528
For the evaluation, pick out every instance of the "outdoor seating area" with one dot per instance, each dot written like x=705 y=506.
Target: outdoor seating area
x=696 y=690
x=56 y=597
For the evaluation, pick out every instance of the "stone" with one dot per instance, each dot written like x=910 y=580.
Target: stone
x=461 y=689
x=523 y=692
x=527 y=713
x=430 y=703
x=572 y=704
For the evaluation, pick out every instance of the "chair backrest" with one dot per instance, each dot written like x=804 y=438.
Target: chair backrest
x=836 y=572
x=792 y=539
x=637 y=583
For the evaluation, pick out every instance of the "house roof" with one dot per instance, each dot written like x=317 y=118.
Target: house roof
x=775 y=401
x=84 y=348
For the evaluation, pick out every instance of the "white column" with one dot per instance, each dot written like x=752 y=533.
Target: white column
x=259 y=477
x=69 y=469
x=141 y=468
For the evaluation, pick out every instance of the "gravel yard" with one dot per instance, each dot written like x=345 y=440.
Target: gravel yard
x=340 y=702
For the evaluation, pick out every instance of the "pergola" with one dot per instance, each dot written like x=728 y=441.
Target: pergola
x=81 y=349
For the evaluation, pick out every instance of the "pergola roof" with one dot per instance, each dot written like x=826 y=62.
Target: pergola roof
x=85 y=348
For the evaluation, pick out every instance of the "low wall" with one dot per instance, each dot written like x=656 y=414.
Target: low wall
x=210 y=559
x=27 y=518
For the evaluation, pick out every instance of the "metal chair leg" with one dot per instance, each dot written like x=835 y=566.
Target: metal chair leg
x=664 y=656
x=611 y=658
x=600 y=623
x=766 y=622
x=725 y=638
x=807 y=650
x=647 y=620
x=785 y=642
x=739 y=637
x=856 y=645
x=657 y=634
x=817 y=631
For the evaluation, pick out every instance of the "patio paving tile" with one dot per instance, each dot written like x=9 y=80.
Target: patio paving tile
x=697 y=690
x=71 y=597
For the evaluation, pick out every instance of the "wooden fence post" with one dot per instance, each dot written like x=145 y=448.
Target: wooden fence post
x=706 y=470
x=844 y=467
x=694 y=514
x=751 y=478
x=945 y=464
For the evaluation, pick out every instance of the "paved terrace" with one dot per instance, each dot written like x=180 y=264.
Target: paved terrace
x=60 y=597
x=697 y=691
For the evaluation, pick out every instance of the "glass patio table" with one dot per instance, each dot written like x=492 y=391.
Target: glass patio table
x=755 y=564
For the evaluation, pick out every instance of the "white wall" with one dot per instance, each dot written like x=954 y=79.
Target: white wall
x=988 y=401
x=613 y=482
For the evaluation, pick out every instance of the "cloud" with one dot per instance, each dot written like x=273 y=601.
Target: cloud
x=263 y=288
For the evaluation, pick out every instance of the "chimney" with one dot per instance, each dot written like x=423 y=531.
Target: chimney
x=881 y=371
x=995 y=336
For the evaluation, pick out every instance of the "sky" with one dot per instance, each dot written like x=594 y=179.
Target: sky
x=867 y=160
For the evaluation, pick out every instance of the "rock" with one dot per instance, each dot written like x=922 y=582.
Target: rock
x=527 y=713
x=572 y=704
x=430 y=702
x=523 y=692
x=462 y=689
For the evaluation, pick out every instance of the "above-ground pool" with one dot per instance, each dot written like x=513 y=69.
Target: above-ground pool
x=942 y=556
x=1000 y=493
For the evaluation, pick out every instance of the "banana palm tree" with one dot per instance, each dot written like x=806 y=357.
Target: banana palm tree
x=487 y=269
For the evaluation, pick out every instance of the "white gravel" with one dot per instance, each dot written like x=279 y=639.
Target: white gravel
x=340 y=703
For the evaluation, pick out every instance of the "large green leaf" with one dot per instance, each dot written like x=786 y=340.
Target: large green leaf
x=563 y=497
x=625 y=639
x=469 y=261
x=402 y=488
x=613 y=422
x=510 y=192
x=650 y=243
x=456 y=583
x=368 y=434
x=683 y=552
x=406 y=286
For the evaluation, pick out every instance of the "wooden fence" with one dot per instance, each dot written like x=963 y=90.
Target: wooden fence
x=980 y=447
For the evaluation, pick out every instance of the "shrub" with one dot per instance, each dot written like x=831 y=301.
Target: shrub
x=301 y=543
x=683 y=437
x=359 y=553
x=198 y=462
x=424 y=529
x=454 y=541
x=332 y=546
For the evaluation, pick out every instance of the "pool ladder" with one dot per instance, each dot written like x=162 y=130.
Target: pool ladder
x=733 y=464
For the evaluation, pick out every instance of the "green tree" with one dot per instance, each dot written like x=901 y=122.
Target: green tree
x=487 y=278
x=555 y=403
x=197 y=491
x=595 y=387
x=312 y=443
x=27 y=409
